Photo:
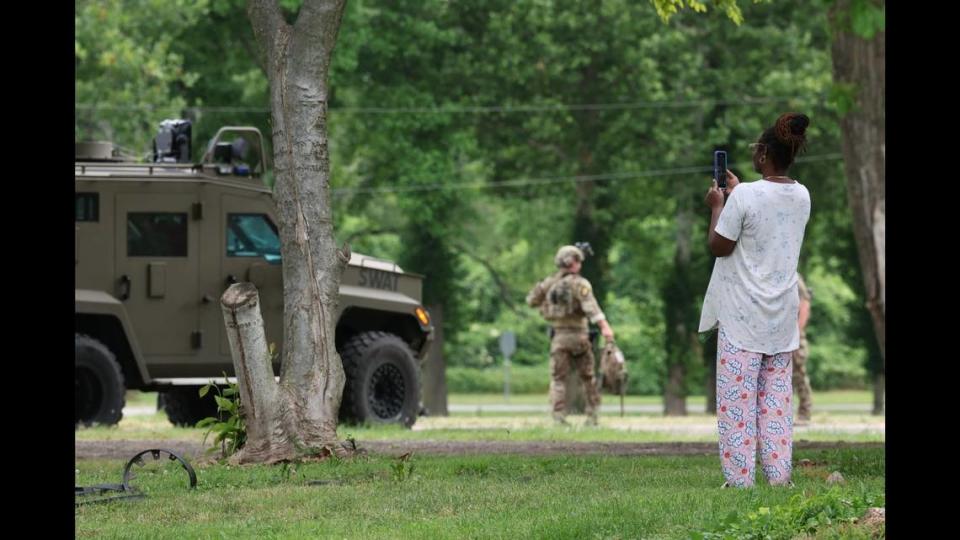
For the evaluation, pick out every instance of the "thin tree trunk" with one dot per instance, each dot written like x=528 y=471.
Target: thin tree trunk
x=860 y=63
x=879 y=390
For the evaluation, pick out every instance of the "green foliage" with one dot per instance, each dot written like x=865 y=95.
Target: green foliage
x=406 y=152
x=865 y=18
x=843 y=96
x=640 y=337
x=228 y=426
x=129 y=75
x=232 y=88
x=801 y=515
x=667 y=8
x=834 y=362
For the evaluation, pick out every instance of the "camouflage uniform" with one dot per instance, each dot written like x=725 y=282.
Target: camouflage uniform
x=566 y=300
x=801 y=381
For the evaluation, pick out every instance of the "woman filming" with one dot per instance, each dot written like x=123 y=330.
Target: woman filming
x=752 y=296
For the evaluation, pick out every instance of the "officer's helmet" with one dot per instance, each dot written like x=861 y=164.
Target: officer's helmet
x=566 y=255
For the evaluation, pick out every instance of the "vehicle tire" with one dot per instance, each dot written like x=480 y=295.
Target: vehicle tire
x=383 y=380
x=99 y=392
x=185 y=407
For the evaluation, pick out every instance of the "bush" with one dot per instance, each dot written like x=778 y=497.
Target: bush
x=523 y=380
x=833 y=365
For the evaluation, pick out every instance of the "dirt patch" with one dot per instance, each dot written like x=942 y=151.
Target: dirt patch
x=193 y=449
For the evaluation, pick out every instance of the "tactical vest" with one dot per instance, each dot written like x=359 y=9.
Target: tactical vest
x=560 y=301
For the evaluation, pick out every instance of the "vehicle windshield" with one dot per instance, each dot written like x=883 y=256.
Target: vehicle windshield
x=252 y=235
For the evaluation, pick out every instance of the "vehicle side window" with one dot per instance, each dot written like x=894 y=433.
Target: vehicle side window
x=156 y=234
x=87 y=206
x=252 y=235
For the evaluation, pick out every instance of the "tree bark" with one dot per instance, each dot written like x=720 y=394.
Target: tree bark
x=311 y=373
x=860 y=63
x=435 y=370
x=267 y=439
x=675 y=398
x=879 y=391
x=681 y=339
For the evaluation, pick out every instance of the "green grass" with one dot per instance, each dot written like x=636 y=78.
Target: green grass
x=141 y=399
x=571 y=434
x=155 y=426
x=457 y=497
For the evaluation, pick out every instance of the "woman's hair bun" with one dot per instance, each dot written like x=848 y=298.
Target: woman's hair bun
x=791 y=128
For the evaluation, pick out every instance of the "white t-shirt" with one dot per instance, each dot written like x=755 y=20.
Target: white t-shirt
x=753 y=291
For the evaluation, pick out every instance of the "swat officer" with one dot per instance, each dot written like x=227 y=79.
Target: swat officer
x=801 y=382
x=566 y=301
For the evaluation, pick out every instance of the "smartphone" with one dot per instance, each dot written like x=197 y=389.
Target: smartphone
x=720 y=168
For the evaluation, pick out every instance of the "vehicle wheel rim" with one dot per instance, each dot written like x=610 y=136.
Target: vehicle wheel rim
x=386 y=391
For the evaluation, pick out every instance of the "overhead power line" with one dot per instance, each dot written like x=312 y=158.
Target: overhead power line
x=487 y=109
x=519 y=182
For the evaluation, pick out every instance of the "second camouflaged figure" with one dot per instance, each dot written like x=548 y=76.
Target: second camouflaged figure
x=566 y=301
x=801 y=382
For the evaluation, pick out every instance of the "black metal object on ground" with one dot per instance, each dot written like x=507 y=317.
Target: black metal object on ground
x=126 y=490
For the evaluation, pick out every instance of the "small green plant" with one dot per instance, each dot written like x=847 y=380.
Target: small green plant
x=288 y=469
x=351 y=441
x=403 y=467
x=230 y=429
x=228 y=425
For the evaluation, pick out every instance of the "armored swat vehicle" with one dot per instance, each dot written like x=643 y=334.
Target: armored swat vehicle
x=157 y=243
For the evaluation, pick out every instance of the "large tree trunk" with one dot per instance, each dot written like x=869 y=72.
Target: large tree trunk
x=675 y=398
x=311 y=374
x=681 y=339
x=859 y=62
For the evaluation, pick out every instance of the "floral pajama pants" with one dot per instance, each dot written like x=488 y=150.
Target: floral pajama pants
x=754 y=409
